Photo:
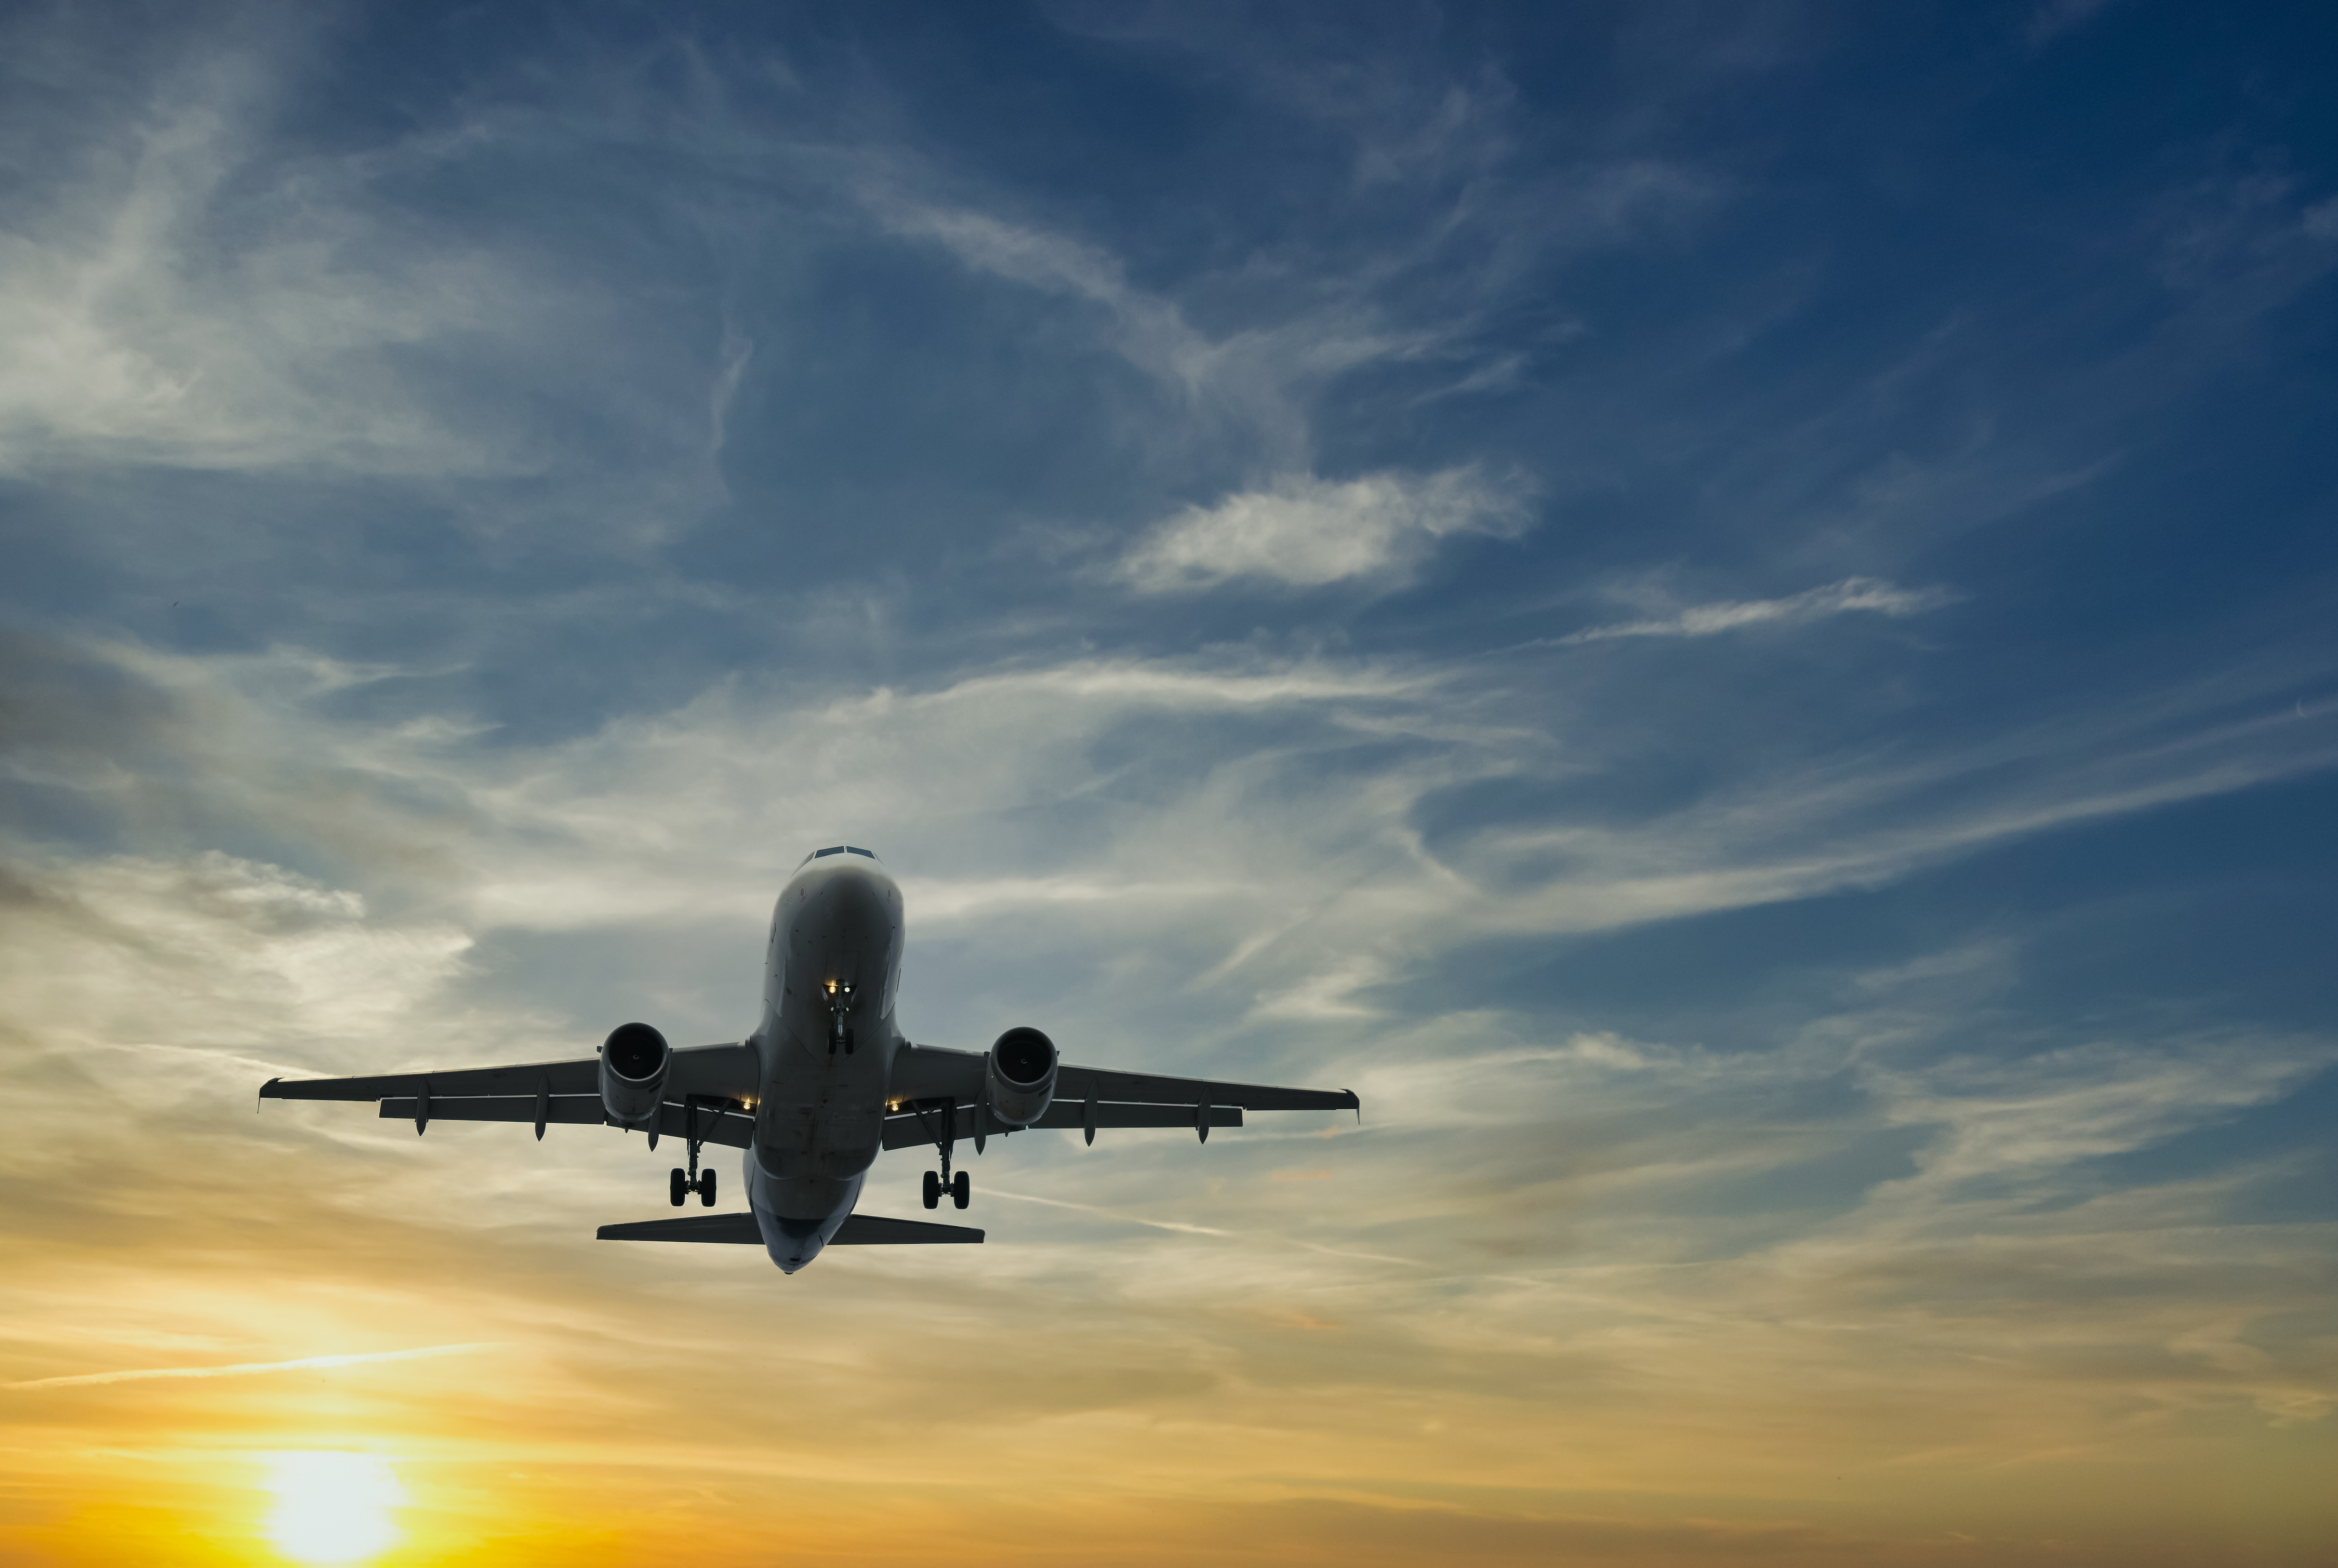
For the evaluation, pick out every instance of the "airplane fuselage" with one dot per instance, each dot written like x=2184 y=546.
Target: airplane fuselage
x=824 y=1084
x=826 y=1043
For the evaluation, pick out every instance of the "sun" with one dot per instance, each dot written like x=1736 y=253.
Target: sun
x=332 y=1507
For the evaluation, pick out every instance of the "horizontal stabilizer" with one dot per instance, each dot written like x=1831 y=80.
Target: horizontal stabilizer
x=876 y=1230
x=736 y=1228
x=858 y=1230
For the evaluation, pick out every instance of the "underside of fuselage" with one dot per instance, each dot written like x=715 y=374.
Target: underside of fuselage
x=826 y=1045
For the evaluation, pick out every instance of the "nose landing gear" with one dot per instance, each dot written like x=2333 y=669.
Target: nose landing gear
x=839 y=1009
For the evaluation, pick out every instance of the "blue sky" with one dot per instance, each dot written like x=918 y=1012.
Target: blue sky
x=1722 y=609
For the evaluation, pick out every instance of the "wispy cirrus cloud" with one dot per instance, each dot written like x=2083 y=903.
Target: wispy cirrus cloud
x=1852 y=595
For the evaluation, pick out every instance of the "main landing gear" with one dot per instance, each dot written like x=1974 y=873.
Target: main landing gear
x=839 y=1007
x=938 y=1119
x=682 y=1185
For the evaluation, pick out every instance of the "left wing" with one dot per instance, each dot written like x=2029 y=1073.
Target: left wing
x=1085 y=1097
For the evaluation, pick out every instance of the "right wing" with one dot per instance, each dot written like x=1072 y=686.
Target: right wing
x=553 y=1091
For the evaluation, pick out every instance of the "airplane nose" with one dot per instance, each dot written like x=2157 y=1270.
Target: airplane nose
x=847 y=906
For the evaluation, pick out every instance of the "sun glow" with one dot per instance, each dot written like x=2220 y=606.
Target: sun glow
x=332 y=1507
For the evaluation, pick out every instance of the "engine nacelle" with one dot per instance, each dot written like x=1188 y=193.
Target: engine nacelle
x=634 y=1060
x=1019 y=1077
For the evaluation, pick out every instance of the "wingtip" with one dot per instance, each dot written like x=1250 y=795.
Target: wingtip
x=267 y=1092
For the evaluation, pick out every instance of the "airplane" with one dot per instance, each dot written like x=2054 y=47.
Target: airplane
x=800 y=1097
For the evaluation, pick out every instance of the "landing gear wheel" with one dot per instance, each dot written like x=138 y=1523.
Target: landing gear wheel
x=959 y=1190
x=933 y=1190
x=675 y=1188
x=706 y=1190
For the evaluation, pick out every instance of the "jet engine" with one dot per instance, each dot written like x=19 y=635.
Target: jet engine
x=1019 y=1077
x=634 y=1060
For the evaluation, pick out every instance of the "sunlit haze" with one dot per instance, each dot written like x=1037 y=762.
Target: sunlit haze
x=332 y=1507
x=1725 y=611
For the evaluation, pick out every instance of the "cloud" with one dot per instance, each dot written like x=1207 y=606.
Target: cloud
x=1852 y=594
x=1241 y=390
x=2086 y=1101
x=1305 y=532
x=193 y=300
x=253 y=1368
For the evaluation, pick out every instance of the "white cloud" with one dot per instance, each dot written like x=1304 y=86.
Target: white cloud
x=1239 y=390
x=131 y=327
x=2087 y=1101
x=1867 y=594
x=1307 y=532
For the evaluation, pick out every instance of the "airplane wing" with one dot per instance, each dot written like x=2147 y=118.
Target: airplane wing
x=858 y=1230
x=549 y=1091
x=1085 y=1097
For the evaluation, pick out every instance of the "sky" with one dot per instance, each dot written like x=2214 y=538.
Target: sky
x=1725 y=610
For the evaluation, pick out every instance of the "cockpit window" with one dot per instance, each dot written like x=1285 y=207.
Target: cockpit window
x=837 y=849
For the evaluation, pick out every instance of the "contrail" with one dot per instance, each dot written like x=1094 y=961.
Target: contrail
x=1201 y=1230
x=250 y=1368
x=1109 y=1213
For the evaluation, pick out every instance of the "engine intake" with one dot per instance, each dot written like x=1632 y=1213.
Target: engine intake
x=1019 y=1077
x=634 y=1060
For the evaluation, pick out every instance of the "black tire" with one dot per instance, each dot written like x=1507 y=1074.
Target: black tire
x=933 y=1190
x=674 y=1187
x=706 y=1190
x=961 y=1190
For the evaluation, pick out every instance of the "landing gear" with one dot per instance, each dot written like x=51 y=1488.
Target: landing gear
x=839 y=1009
x=957 y=1189
x=693 y=1180
x=938 y=1119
